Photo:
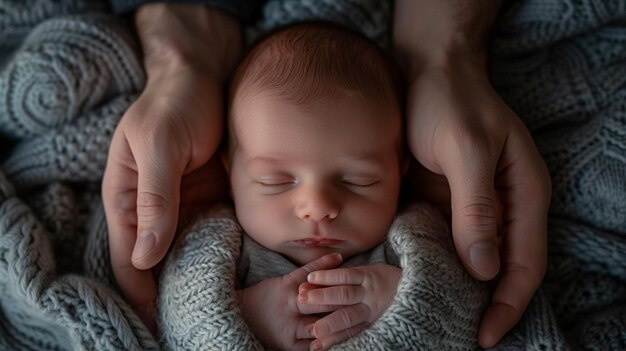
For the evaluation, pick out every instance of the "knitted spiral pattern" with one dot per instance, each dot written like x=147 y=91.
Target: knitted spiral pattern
x=63 y=69
x=73 y=152
x=437 y=306
x=18 y=17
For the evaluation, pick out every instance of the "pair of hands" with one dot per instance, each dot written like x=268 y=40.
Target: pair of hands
x=278 y=310
x=477 y=159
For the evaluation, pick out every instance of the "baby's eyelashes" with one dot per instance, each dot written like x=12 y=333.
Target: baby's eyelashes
x=274 y=182
x=360 y=182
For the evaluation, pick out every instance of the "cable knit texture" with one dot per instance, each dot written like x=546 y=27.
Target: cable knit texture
x=68 y=71
x=437 y=306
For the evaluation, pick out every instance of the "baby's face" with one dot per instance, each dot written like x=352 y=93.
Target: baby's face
x=312 y=179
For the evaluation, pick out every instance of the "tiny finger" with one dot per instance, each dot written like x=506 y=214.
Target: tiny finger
x=315 y=308
x=334 y=295
x=304 y=329
x=325 y=262
x=326 y=342
x=339 y=276
x=342 y=319
x=302 y=345
x=307 y=286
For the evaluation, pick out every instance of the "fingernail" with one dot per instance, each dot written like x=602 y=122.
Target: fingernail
x=144 y=246
x=310 y=277
x=484 y=258
x=317 y=346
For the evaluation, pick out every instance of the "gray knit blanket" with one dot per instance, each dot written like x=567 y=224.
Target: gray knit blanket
x=69 y=70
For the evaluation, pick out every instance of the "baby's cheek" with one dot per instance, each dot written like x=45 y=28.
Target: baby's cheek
x=258 y=218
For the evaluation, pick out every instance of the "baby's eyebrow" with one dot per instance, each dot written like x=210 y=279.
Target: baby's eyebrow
x=271 y=159
x=368 y=157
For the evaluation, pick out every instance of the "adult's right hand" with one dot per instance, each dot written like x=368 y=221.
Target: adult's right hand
x=158 y=159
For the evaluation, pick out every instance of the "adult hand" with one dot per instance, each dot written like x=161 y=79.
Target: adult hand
x=271 y=307
x=158 y=157
x=460 y=128
x=364 y=292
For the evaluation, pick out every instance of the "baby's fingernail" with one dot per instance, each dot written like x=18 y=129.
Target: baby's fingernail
x=144 y=246
x=484 y=258
x=310 y=277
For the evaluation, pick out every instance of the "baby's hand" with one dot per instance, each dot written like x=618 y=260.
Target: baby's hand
x=271 y=308
x=365 y=291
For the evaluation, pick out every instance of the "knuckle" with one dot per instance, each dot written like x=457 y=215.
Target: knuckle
x=469 y=136
x=150 y=206
x=480 y=213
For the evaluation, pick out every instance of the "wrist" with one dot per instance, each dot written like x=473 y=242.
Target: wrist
x=184 y=36
x=441 y=33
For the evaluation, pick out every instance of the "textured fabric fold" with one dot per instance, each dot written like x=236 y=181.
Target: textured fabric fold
x=559 y=64
x=17 y=18
x=75 y=151
x=43 y=310
x=437 y=305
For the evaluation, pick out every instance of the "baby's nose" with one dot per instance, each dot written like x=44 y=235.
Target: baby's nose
x=317 y=205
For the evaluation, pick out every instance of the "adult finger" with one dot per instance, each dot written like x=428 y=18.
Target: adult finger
x=326 y=342
x=339 y=320
x=336 y=295
x=119 y=197
x=469 y=166
x=158 y=198
x=325 y=262
x=339 y=276
x=527 y=197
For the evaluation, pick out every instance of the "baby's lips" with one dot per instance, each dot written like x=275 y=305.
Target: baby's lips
x=318 y=242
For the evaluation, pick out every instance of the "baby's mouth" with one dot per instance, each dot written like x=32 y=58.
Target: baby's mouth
x=310 y=242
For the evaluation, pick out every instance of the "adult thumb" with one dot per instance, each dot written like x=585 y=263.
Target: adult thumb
x=158 y=200
x=474 y=215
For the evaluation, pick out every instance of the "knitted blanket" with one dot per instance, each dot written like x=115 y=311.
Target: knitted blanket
x=437 y=305
x=68 y=71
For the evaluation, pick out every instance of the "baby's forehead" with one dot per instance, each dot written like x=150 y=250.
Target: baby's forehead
x=253 y=103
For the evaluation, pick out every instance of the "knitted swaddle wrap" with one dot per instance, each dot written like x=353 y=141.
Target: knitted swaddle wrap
x=558 y=63
x=437 y=305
